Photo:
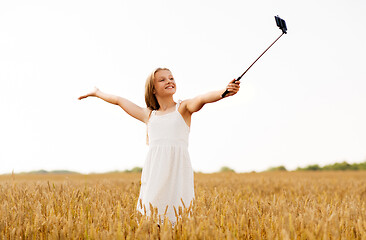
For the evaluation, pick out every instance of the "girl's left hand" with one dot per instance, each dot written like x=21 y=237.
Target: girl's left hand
x=233 y=87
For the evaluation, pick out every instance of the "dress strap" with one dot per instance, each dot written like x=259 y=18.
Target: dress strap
x=151 y=113
x=177 y=105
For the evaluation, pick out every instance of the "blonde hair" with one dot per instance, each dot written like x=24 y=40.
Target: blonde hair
x=150 y=98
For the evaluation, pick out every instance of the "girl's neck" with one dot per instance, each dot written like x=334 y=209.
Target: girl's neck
x=165 y=103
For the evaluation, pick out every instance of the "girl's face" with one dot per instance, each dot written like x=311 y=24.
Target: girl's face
x=164 y=83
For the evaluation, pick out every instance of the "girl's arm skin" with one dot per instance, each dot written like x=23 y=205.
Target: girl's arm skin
x=195 y=104
x=129 y=107
x=188 y=107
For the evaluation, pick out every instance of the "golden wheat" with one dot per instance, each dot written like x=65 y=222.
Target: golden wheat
x=282 y=205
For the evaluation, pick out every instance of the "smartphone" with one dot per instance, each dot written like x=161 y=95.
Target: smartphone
x=281 y=24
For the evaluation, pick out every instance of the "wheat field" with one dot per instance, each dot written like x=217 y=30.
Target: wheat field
x=271 y=205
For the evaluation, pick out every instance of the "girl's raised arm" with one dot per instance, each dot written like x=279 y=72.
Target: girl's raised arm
x=195 y=104
x=129 y=107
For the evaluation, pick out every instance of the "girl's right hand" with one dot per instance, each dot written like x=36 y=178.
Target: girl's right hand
x=90 y=94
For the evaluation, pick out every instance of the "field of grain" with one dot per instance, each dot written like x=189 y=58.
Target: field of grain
x=273 y=205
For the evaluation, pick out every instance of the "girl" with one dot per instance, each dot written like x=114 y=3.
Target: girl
x=167 y=176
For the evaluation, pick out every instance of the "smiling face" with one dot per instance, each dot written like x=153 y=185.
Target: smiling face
x=164 y=83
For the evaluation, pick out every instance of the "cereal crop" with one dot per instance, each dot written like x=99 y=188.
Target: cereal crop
x=270 y=205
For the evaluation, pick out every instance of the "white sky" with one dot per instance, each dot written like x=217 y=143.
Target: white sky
x=302 y=103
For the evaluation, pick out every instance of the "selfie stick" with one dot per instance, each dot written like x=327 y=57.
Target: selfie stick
x=282 y=25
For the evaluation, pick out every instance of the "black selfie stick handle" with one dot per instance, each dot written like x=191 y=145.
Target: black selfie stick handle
x=226 y=92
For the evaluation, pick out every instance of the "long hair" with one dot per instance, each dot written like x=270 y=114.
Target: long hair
x=150 y=98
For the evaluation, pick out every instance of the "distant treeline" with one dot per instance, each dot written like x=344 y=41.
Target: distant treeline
x=343 y=166
x=133 y=170
x=50 y=172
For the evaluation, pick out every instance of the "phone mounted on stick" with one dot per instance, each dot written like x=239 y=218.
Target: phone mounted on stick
x=282 y=25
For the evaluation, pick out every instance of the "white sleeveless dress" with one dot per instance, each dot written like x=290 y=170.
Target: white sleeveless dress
x=167 y=174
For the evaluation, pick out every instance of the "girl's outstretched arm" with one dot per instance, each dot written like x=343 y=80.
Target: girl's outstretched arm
x=195 y=104
x=129 y=107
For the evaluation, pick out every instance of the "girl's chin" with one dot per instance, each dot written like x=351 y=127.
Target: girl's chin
x=167 y=92
x=171 y=90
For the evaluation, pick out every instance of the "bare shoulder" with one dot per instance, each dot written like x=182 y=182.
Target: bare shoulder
x=184 y=103
x=192 y=105
x=183 y=110
x=183 y=107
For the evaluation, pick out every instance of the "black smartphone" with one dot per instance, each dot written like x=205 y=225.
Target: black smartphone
x=281 y=24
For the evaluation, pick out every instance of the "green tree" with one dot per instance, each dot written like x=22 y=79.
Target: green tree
x=342 y=166
x=226 y=169
x=338 y=166
x=279 y=168
x=134 y=170
x=314 y=167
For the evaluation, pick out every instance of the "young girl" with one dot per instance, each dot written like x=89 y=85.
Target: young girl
x=167 y=176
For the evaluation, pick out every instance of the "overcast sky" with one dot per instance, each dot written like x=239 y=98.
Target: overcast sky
x=302 y=103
